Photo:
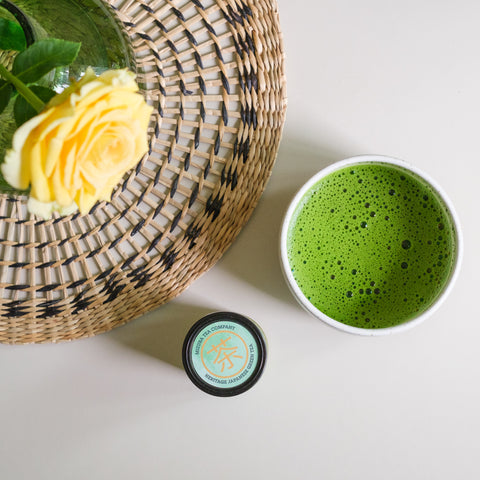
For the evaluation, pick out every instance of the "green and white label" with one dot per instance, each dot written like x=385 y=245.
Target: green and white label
x=224 y=354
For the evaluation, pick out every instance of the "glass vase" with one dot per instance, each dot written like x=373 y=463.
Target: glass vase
x=104 y=45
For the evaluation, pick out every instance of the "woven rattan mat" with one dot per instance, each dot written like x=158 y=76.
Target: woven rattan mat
x=214 y=71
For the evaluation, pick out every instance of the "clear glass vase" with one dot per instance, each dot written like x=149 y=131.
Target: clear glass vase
x=93 y=23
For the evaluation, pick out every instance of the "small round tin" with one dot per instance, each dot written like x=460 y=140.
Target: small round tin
x=224 y=353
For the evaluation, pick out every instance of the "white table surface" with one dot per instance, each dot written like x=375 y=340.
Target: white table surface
x=377 y=76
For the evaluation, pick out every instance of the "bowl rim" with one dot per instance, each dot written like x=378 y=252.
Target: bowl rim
x=309 y=307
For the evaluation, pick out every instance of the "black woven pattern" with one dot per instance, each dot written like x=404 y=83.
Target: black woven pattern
x=213 y=71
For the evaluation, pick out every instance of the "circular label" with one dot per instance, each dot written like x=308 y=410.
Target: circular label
x=224 y=354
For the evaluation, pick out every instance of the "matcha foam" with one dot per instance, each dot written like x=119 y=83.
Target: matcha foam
x=371 y=245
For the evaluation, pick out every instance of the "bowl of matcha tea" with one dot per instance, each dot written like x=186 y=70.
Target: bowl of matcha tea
x=371 y=245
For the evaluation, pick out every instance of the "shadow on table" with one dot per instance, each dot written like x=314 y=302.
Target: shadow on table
x=160 y=333
x=254 y=257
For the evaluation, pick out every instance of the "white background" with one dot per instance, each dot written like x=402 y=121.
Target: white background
x=400 y=78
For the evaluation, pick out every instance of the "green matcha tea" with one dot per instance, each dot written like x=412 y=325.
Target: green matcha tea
x=371 y=245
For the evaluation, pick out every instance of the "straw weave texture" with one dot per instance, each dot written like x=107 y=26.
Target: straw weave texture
x=214 y=72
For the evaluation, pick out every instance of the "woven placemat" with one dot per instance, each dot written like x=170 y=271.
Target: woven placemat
x=214 y=71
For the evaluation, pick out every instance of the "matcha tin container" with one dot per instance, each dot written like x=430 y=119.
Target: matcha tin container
x=224 y=353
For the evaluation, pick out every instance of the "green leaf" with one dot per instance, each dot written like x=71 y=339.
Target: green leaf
x=11 y=36
x=23 y=111
x=21 y=88
x=43 y=56
x=6 y=91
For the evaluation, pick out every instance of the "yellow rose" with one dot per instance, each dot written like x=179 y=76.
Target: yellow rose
x=76 y=151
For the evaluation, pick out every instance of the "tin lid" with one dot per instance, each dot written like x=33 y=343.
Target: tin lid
x=224 y=353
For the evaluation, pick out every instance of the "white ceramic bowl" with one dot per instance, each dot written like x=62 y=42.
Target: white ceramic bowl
x=305 y=303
